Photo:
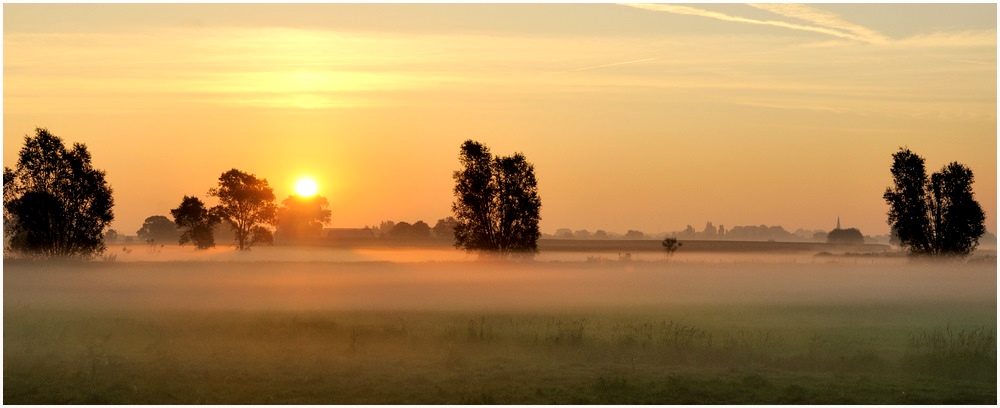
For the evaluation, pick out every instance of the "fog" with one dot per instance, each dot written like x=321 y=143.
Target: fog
x=285 y=278
x=162 y=325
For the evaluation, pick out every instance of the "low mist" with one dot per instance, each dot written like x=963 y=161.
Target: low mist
x=434 y=279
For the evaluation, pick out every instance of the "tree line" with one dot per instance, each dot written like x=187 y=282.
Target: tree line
x=56 y=204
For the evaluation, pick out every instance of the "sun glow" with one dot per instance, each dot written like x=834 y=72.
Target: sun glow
x=306 y=187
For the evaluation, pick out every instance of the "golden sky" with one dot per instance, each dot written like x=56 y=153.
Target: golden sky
x=647 y=117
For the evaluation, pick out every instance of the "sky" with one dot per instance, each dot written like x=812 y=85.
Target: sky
x=646 y=117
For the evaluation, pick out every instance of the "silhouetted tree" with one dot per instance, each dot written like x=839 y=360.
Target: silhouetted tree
x=600 y=234
x=671 y=245
x=957 y=218
x=385 y=228
x=247 y=203
x=445 y=228
x=939 y=216
x=401 y=230
x=405 y=230
x=564 y=233
x=196 y=222
x=56 y=204
x=845 y=236
x=159 y=229
x=497 y=203
x=420 y=230
x=111 y=235
x=634 y=234
x=302 y=217
x=582 y=234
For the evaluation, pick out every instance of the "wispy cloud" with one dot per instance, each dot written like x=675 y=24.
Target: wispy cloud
x=825 y=22
x=687 y=10
x=825 y=19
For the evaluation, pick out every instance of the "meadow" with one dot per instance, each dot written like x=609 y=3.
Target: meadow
x=272 y=328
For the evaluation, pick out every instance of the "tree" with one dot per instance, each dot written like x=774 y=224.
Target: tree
x=445 y=228
x=845 y=236
x=302 y=217
x=401 y=230
x=420 y=230
x=247 y=203
x=111 y=235
x=497 y=203
x=159 y=229
x=564 y=233
x=385 y=228
x=196 y=222
x=671 y=245
x=634 y=234
x=957 y=218
x=56 y=204
x=936 y=216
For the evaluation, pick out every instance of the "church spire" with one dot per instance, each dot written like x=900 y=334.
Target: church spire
x=838 y=222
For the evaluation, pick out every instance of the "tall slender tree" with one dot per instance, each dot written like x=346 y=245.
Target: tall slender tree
x=497 y=203
x=936 y=216
x=958 y=218
x=247 y=204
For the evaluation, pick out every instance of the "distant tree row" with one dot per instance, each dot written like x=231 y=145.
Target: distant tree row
x=56 y=204
x=444 y=229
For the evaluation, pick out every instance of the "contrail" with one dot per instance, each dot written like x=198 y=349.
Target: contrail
x=611 y=65
x=822 y=18
x=726 y=17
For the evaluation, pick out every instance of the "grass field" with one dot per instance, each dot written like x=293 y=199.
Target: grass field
x=473 y=332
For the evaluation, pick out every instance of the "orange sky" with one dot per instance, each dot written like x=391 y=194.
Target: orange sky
x=636 y=117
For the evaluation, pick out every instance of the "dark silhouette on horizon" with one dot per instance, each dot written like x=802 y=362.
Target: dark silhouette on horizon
x=496 y=203
x=196 y=222
x=158 y=229
x=56 y=204
x=935 y=216
x=247 y=204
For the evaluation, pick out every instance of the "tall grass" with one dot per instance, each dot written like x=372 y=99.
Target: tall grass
x=965 y=353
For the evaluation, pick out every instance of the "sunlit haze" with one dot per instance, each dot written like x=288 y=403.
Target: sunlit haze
x=645 y=117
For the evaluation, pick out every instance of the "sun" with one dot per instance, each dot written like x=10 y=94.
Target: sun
x=306 y=187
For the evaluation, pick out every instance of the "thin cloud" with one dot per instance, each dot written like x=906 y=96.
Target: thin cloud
x=675 y=9
x=823 y=18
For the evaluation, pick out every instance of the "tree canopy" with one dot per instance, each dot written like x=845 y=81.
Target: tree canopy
x=935 y=216
x=496 y=202
x=158 y=229
x=302 y=217
x=845 y=236
x=56 y=204
x=247 y=204
x=196 y=222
